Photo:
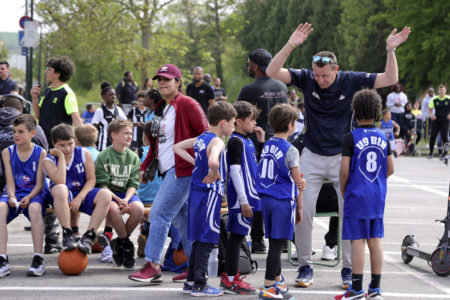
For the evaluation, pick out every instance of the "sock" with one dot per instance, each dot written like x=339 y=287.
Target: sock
x=357 y=280
x=75 y=229
x=108 y=229
x=375 y=283
x=268 y=287
x=39 y=254
x=67 y=231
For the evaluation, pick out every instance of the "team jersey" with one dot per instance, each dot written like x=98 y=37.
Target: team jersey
x=75 y=174
x=388 y=129
x=365 y=192
x=274 y=177
x=201 y=168
x=249 y=168
x=24 y=172
x=441 y=106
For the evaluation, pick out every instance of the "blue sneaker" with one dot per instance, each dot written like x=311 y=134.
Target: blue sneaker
x=187 y=287
x=207 y=291
x=346 y=275
x=273 y=292
x=351 y=294
x=374 y=294
x=305 y=277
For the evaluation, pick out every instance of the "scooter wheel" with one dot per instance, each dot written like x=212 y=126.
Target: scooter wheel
x=440 y=268
x=406 y=257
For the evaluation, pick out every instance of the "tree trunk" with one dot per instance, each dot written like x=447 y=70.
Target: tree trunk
x=218 y=49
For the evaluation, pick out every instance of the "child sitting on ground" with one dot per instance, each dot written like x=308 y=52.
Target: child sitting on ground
x=22 y=193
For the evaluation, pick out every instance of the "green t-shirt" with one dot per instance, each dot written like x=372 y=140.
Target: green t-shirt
x=117 y=171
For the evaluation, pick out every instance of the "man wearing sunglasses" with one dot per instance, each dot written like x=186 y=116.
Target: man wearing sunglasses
x=328 y=93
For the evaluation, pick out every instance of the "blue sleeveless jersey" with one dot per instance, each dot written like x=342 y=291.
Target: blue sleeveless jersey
x=75 y=174
x=365 y=193
x=274 y=178
x=388 y=129
x=249 y=169
x=24 y=172
x=201 y=165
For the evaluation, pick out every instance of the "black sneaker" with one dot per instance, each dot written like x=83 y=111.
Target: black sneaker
x=116 y=246
x=52 y=248
x=4 y=267
x=69 y=242
x=103 y=240
x=128 y=254
x=37 y=266
x=86 y=241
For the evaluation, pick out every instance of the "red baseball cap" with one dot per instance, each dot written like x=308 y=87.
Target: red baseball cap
x=168 y=71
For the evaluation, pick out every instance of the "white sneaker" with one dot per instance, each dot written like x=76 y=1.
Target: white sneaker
x=107 y=255
x=294 y=254
x=4 y=267
x=37 y=266
x=329 y=253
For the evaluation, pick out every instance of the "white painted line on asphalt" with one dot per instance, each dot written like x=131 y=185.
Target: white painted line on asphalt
x=421 y=277
x=147 y=289
x=431 y=223
x=419 y=186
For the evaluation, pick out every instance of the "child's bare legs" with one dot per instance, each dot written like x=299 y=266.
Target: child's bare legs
x=102 y=202
x=74 y=219
x=376 y=255
x=115 y=217
x=358 y=256
x=60 y=195
x=37 y=226
x=4 y=210
x=136 y=212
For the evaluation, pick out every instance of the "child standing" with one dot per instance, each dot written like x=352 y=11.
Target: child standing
x=22 y=194
x=72 y=187
x=137 y=116
x=390 y=128
x=366 y=163
x=205 y=198
x=117 y=169
x=279 y=184
x=242 y=197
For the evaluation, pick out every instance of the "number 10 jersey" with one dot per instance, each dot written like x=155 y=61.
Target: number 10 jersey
x=365 y=192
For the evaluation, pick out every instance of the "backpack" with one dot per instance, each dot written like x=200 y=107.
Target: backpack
x=246 y=264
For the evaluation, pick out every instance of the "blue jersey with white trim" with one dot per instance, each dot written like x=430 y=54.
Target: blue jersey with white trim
x=388 y=129
x=365 y=192
x=24 y=172
x=201 y=167
x=75 y=174
x=274 y=177
x=249 y=170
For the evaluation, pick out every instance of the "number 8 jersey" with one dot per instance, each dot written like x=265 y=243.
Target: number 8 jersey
x=365 y=192
x=274 y=177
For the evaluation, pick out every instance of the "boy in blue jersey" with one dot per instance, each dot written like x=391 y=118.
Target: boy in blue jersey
x=279 y=185
x=242 y=198
x=22 y=193
x=366 y=163
x=205 y=197
x=72 y=187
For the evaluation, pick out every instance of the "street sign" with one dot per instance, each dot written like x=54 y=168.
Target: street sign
x=23 y=20
x=21 y=33
x=31 y=35
x=24 y=51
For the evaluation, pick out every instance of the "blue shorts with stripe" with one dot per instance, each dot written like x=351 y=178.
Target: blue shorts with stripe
x=133 y=198
x=358 y=229
x=279 y=217
x=238 y=224
x=86 y=206
x=13 y=212
x=204 y=215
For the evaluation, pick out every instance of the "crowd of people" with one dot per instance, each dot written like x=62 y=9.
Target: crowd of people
x=167 y=147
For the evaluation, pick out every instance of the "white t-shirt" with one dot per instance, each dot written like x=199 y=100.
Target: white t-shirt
x=103 y=125
x=394 y=98
x=166 y=156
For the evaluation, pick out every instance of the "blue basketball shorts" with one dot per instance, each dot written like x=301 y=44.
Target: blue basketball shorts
x=13 y=212
x=279 y=217
x=357 y=229
x=204 y=215
x=238 y=224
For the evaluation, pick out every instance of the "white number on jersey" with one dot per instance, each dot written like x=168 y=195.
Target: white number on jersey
x=371 y=164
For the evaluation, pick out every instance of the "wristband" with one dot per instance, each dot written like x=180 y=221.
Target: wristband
x=390 y=50
x=292 y=44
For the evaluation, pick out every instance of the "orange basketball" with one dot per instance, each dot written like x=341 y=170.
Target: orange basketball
x=97 y=248
x=72 y=262
x=179 y=257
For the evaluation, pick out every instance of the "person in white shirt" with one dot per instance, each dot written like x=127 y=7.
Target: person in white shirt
x=425 y=115
x=396 y=102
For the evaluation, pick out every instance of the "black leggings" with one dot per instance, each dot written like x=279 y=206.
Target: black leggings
x=437 y=125
x=232 y=254
x=273 y=262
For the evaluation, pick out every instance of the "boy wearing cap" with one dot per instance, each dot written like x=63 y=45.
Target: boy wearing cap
x=264 y=93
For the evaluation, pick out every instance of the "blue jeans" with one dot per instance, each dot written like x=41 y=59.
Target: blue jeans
x=169 y=207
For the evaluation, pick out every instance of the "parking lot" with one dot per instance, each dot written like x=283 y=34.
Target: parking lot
x=417 y=196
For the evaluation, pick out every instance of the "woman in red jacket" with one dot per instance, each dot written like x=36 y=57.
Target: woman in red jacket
x=177 y=118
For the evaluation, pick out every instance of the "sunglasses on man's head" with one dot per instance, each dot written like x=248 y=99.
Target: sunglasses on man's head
x=322 y=60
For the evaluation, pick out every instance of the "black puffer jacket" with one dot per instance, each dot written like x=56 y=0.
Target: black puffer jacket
x=7 y=115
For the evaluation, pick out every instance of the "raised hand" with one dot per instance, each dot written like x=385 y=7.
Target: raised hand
x=300 y=35
x=396 y=39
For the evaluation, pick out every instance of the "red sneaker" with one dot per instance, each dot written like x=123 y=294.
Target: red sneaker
x=238 y=286
x=147 y=274
x=182 y=277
